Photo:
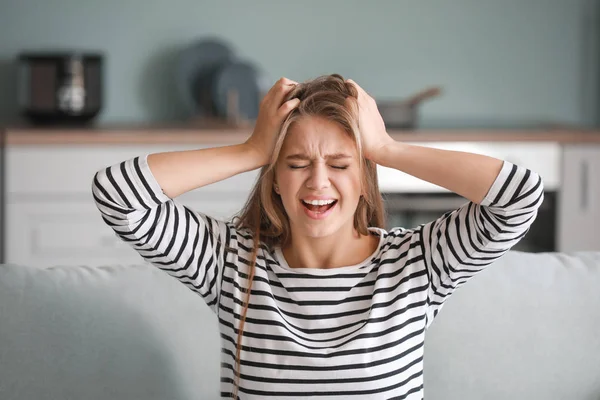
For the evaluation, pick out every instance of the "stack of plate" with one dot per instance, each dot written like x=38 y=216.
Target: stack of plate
x=215 y=84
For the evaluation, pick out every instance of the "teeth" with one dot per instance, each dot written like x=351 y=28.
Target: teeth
x=318 y=202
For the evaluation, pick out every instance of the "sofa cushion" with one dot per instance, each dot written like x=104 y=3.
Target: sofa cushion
x=527 y=327
x=118 y=332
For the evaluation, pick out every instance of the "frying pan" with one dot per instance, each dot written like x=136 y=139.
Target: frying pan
x=404 y=114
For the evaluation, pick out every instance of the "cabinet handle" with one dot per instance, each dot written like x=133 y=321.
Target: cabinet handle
x=584 y=185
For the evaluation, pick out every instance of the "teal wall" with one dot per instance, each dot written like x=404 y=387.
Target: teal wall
x=497 y=60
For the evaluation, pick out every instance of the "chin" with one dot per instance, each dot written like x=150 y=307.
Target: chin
x=322 y=229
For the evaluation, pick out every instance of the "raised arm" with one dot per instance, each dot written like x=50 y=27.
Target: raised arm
x=467 y=174
x=178 y=172
x=504 y=199
x=181 y=171
x=136 y=199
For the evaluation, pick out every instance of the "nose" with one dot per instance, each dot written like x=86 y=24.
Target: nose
x=319 y=177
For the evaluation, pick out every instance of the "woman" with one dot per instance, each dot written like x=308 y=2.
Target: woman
x=313 y=296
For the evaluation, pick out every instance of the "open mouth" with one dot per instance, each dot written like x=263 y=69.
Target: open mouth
x=319 y=208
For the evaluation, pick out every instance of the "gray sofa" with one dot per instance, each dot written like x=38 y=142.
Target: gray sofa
x=528 y=327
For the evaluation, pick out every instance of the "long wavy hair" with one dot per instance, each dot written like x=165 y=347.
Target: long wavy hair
x=264 y=214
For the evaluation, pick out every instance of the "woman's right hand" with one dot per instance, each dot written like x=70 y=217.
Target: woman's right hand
x=273 y=110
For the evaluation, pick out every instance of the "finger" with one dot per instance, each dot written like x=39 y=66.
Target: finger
x=362 y=93
x=282 y=84
x=282 y=92
x=288 y=106
x=356 y=85
x=287 y=81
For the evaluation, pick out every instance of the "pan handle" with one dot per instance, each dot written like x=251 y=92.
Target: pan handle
x=424 y=94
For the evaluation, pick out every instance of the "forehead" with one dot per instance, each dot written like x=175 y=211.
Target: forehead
x=317 y=137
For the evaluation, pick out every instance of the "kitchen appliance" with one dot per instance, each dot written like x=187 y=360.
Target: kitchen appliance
x=410 y=202
x=413 y=209
x=60 y=87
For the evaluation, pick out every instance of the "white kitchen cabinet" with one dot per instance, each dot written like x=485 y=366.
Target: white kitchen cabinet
x=63 y=232
x=542 y=157
x=51 y=218
x=579 y=199
x=71 y=231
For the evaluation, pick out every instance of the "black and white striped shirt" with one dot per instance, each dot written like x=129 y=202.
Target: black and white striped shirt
x=351 y=332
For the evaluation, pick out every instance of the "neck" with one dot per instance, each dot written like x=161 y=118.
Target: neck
x=337 y=250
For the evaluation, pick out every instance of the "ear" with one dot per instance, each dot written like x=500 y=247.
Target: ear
x=276 y=188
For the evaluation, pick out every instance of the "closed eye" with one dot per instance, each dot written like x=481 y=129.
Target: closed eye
x=304 y=166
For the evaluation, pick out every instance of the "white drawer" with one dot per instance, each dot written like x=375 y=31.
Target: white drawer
x=70 y=169
x=541 y=157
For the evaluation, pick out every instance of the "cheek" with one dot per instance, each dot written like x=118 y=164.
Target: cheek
x=288 y=187
x=348 y=185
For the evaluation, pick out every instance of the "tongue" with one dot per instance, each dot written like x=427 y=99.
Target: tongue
x=318 y=208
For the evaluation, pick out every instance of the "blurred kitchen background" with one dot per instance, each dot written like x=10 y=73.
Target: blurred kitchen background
x=527 y=71
x=510 y=61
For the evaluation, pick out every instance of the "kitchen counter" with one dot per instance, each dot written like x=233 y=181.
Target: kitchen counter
x=188 y=134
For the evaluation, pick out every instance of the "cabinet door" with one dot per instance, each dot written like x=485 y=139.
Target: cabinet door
x=579 y=200
x=72 y=232
x=50 y=215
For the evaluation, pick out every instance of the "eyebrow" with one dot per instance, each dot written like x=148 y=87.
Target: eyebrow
x=335 y=156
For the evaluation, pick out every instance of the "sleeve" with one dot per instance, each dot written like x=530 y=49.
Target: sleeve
x=463 y=242
x=187 y=245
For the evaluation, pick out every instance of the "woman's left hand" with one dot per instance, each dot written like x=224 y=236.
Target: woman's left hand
x=373 y=134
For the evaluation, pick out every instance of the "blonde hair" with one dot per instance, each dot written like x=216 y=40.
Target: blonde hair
x=264 y=214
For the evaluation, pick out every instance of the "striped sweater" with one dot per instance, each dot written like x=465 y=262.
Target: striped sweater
x=352 y=332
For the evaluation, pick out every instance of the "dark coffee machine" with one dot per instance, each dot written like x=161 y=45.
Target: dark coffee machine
x=60 y=88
